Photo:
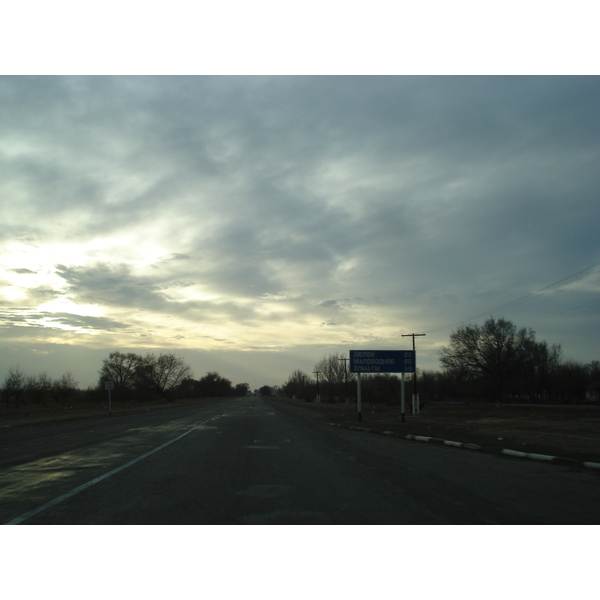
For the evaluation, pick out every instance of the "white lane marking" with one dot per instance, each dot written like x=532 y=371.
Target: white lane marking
x=80 y=488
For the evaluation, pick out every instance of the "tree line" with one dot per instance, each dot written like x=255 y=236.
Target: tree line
x=160 y=376
x=167 y=376
x=25 y=389
x=335 y=383
x=499 y=361
x=496 y=361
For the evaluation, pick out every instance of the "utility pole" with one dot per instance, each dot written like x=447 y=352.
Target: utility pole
x=318 y=392
x=345 y=377
x=414 y=335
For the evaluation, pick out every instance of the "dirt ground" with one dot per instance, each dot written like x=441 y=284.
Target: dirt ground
x=569 y=432
x=52 y=413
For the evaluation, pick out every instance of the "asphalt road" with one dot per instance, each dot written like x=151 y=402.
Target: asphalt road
x=254 y=461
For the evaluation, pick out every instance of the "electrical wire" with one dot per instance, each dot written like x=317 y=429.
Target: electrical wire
x=562 y=312
x=524 y=302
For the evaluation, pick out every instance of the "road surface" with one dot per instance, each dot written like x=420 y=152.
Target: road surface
x=255 y=461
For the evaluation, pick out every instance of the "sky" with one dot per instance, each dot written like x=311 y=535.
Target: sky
x=254 y=224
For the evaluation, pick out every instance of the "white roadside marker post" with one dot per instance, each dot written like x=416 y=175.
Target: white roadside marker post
x=109 y=385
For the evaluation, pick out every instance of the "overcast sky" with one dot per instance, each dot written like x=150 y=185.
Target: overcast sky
x=255 y=224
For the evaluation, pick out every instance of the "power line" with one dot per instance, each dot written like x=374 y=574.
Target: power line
x=558 y=294
x=566 y=311
x=523 y=302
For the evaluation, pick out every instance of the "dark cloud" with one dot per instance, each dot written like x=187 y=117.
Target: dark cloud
x=85 y=322
x=299 y=200
x=41 y=294
x=110 y=285
x=22 y=271
x=329 y=304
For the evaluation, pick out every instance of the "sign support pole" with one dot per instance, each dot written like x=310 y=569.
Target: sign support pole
x=358 y=397
x=402 y=397
x=381 y=361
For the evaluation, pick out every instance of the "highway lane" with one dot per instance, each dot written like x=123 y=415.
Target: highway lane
x=254 y=461
x=22 y=444
x=40 y=463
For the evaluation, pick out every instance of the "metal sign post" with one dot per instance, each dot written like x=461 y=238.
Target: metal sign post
x=381 y=361
x=358 y=397
x=402 y=397
x=109 y=385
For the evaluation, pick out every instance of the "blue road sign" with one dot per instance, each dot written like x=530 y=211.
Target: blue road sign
x=382 y=361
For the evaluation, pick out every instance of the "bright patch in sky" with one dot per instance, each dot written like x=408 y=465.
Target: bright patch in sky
x=233 y=216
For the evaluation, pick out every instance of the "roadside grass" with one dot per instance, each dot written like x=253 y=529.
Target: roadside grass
x=565 y=431
x=54 y=412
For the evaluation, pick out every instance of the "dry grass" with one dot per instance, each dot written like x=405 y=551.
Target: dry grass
x=570 y=432
x=29 y=415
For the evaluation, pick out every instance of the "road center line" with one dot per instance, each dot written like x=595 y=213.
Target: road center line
x=55 y=501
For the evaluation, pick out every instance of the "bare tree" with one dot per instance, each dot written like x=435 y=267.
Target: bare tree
x=162 y=373
x=299 y=385
x=14 y=385
x=213 y=385
x=594 y=370
x=333 y=374
x=120 y=368
x=64 y=388
x=492 y=353
x=241 y=389
x=38 y=388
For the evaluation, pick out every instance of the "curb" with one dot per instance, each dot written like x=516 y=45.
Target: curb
x=506 y=451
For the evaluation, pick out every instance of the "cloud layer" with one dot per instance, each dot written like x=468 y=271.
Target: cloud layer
x=279 y=213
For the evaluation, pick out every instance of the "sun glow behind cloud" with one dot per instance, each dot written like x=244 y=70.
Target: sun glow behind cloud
x=277 y=213
x=12 y=292
x=64 y=305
